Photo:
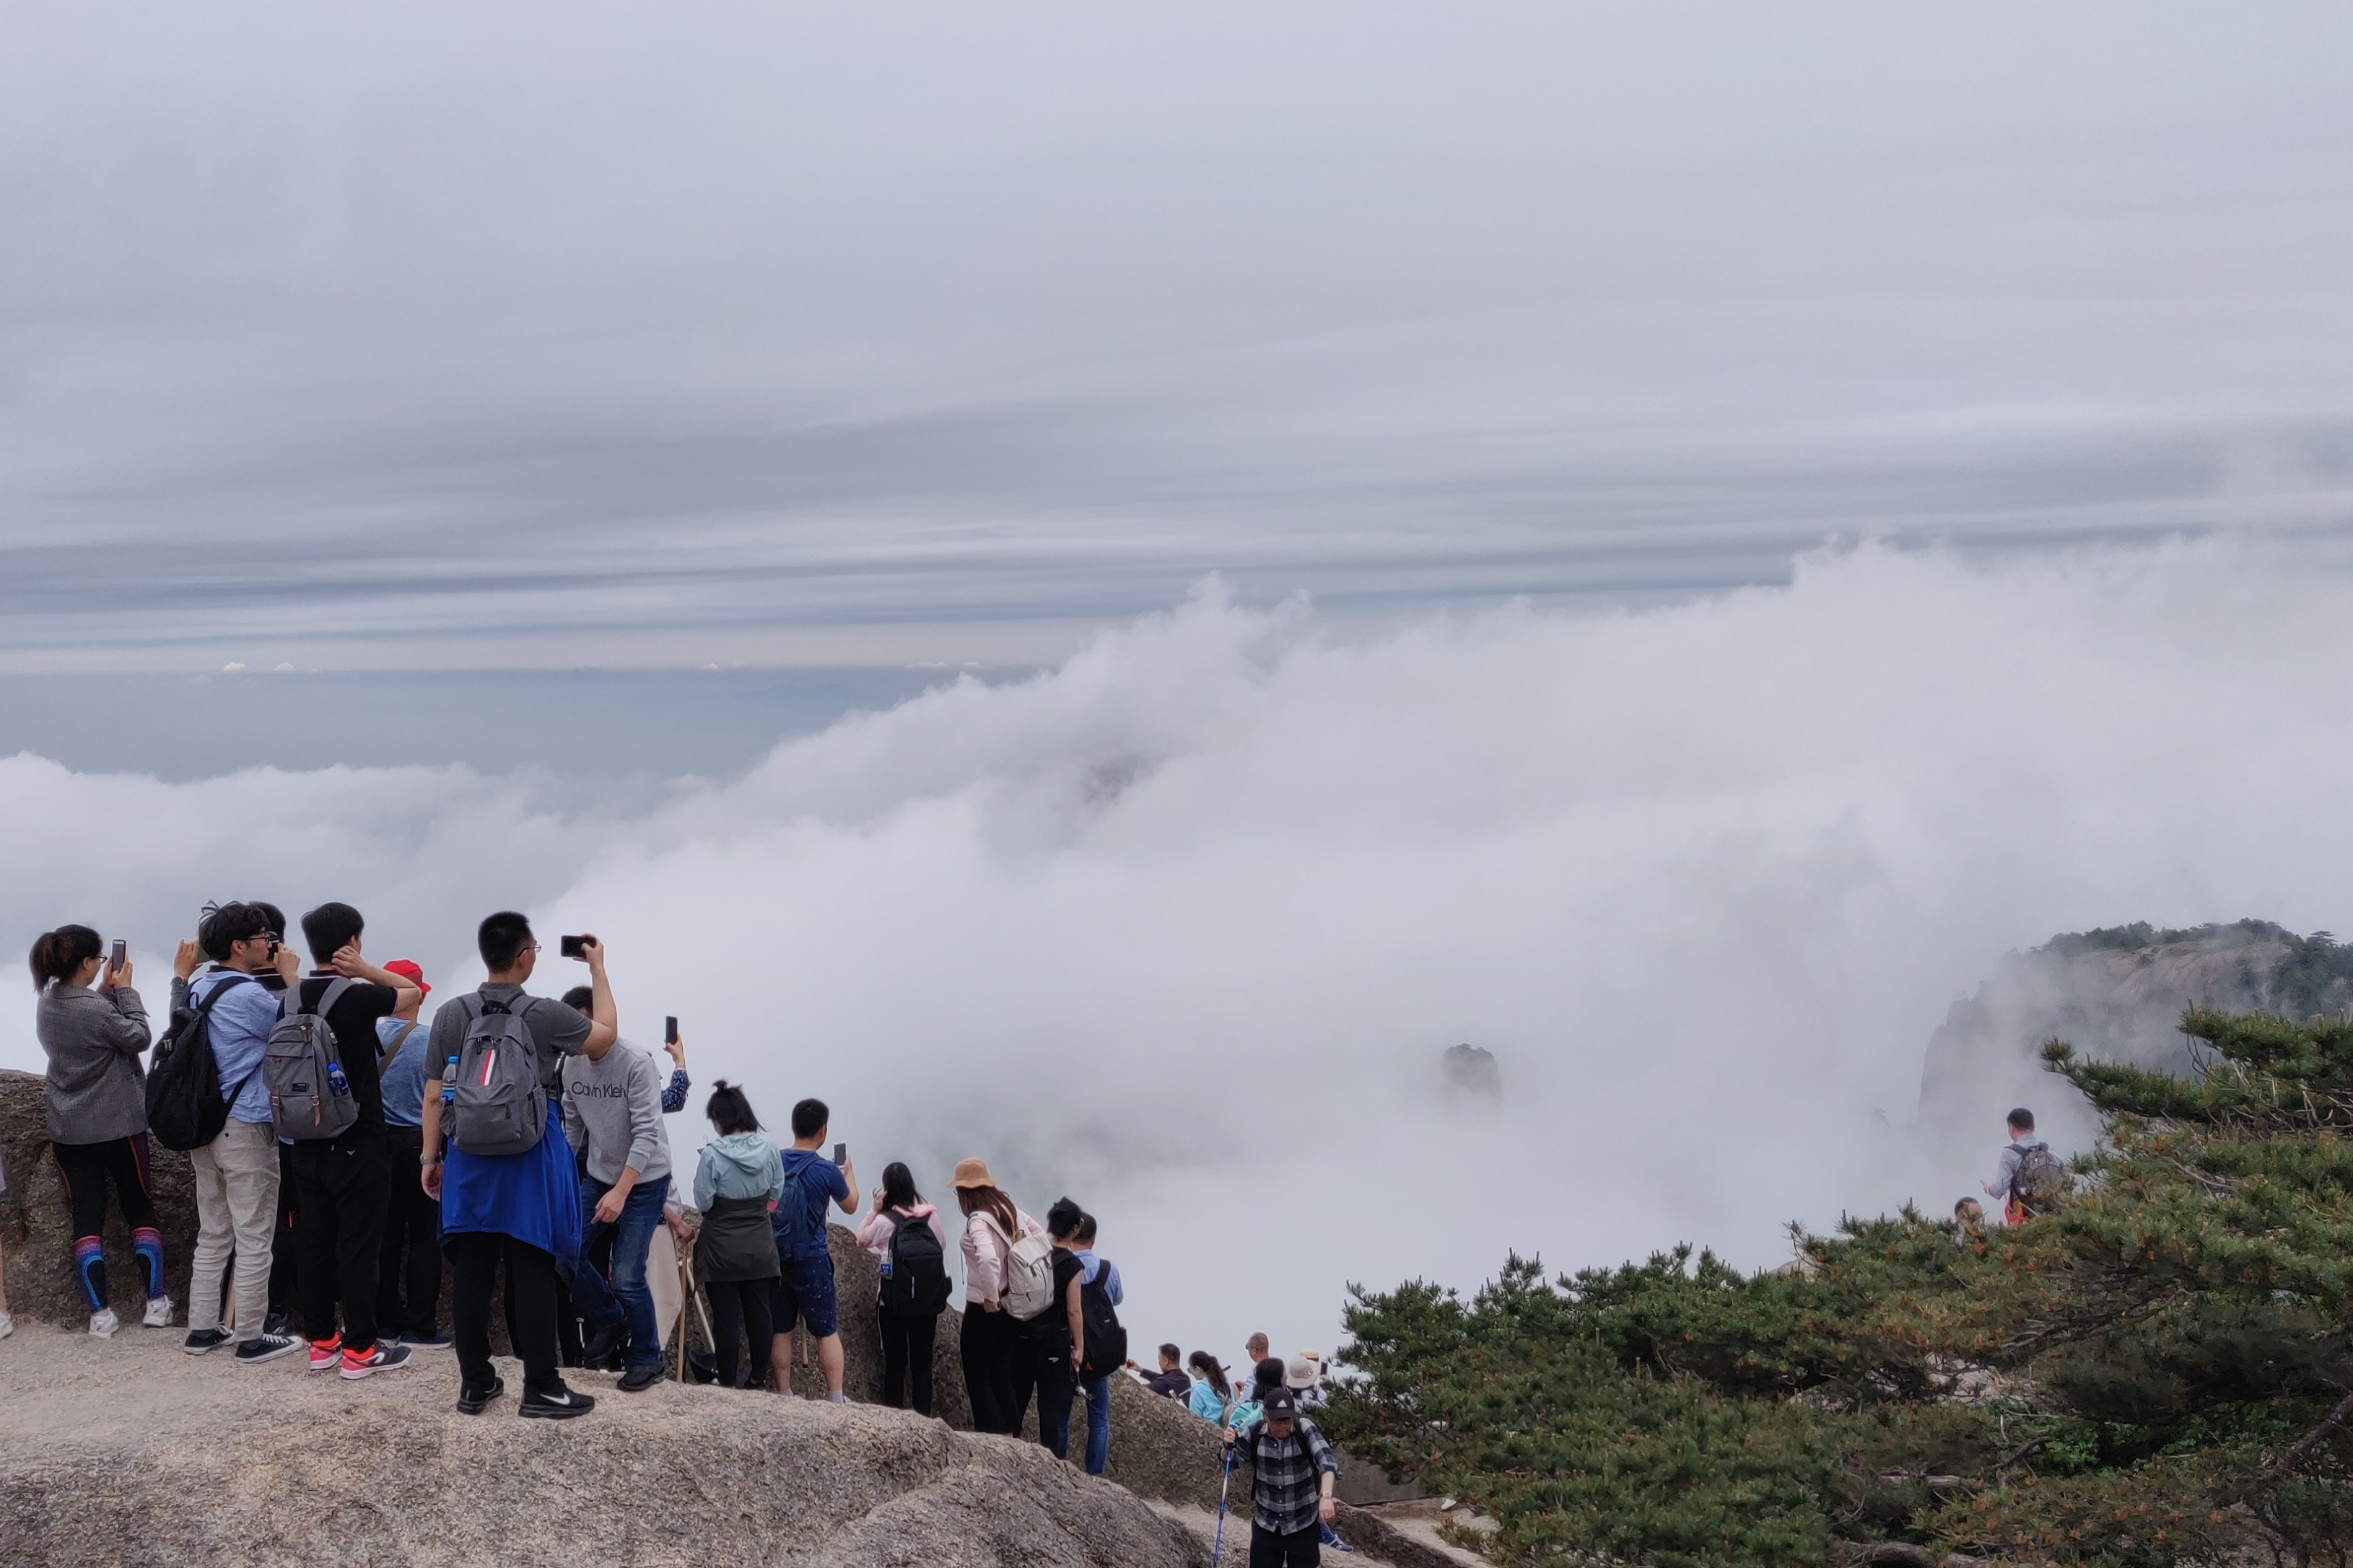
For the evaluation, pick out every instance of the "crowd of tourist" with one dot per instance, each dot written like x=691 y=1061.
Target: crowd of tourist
x=345 y=1150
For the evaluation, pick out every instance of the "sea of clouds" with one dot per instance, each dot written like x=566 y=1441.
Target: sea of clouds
x=1182 y=927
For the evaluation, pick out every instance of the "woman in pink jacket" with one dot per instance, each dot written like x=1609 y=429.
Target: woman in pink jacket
x=907 y=1308
x=991 y=1347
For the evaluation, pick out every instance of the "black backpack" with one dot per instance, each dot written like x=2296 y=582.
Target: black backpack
x=1106 y=1346
x=185 y=1109
x=917 y=1285
x=2040 y=1178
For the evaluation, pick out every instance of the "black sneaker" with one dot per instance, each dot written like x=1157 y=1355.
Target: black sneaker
x=559 y=1405
x=275 y=1323
x=267 y=1347
x=427 y=1340
x=637 y=1379
x=603 y=1348
x=199 y=1341
x=474 y=1401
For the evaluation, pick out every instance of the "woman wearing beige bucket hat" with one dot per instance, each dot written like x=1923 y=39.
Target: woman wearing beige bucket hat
x=989 y=1342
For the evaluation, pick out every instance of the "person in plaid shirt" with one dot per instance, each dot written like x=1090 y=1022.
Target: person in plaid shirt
x=1293 y=1472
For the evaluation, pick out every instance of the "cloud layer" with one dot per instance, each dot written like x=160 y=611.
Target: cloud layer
x=1182 y=926
x=594 y=335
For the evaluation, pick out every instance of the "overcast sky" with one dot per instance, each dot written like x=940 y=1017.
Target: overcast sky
x=628 y=335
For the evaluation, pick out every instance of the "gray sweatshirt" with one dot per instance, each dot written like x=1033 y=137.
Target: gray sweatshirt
x=612 y=1114
x=97 y=1091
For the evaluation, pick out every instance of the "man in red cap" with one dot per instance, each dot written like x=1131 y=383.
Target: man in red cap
x=408 y=1271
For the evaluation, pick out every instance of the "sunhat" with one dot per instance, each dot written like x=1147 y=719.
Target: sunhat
x=972 y=1173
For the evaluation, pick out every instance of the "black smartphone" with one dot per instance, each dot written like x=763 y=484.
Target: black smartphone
x=115 y=962
x=841 y=1153
x=669 y=1030
x=572 y=946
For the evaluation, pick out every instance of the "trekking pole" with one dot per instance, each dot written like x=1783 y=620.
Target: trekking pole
x=1219 y=1543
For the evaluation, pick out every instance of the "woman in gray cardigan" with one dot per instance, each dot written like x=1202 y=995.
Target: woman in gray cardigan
x=93 y=1027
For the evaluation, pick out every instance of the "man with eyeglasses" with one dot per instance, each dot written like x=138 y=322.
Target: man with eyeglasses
x=237 y=1174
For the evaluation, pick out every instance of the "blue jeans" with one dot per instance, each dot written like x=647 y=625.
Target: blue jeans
x=626 y=1298
x=1098 y=1422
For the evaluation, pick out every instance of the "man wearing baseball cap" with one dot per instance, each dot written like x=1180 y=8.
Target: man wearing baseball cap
x=408 y=1271
x=1293 y=1472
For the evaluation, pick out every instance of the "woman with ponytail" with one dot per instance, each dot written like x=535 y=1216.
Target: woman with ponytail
x=93 y=1028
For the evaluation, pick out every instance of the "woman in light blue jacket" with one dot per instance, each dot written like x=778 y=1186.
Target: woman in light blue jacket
x=1211 y=1396
x=738 y=1179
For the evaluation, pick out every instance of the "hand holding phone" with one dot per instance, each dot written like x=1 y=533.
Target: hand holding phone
x=573 y=946
x=669 y=1030
x=841 y=1153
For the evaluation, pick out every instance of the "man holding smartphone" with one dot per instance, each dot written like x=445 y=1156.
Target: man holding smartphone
x=613 y=1115
x=803 y=1289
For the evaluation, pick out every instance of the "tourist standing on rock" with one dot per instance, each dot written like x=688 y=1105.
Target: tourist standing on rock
x=1250 y=1403
x=92 y=1027
x=510 y=1194
x=989 y=1344
x=804 y=1288
x=909 y=1249
x=236 y=1176
x=1212 y=1395
x=1103 y=1346
x=1052 y=1340
x=409 y=1268
x=2030 y=1175
x=613 y=1115
x=345 y=1181
x=738 y=1178
x=1294 y=1471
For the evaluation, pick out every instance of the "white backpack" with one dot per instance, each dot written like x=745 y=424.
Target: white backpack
x=1029 y=1273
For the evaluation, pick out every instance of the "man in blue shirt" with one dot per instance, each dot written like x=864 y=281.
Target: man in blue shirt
x=237 y=1174
x=1104 y=1274
x=409 y=1269
x=804 y=1289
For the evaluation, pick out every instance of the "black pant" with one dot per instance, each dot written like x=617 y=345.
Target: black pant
x=285 y=1256
x=1044 y=1366
x=86 y=1169
x=474 y=1258
x=1300 y=1549
x=408 y=1268
x=988 y=1352
x=340 y=1234
x=907 y=1357
x=740 y=1306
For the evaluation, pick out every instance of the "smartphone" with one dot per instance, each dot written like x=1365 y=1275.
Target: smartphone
x=841 y=1153
x=669 y=1030
x=115 y=962
x=572 y=946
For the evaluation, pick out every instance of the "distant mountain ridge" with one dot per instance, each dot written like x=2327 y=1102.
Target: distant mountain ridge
x=2116 y=994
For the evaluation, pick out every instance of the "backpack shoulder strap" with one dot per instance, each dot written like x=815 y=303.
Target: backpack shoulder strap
x=334 y=993
x=237 y=978
x=384 y=1053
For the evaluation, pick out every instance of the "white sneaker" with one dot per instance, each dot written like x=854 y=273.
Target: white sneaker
x=104 y=1322
x=159 y=1312
x=7 y=1325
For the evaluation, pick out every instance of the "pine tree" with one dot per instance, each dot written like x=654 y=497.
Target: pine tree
x=2155 y=1372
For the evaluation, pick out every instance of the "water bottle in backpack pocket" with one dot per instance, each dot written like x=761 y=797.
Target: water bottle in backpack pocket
x=501 y=1106
x=303 y=1069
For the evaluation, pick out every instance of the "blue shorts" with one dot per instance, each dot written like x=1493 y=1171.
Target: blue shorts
x=804 y=1290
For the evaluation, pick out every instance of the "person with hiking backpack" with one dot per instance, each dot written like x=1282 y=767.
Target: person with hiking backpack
x=409 y=1265
x=804 y=1288
x=509 y=1191
x=988 y=1341
x=222 y=1012
x=1051 y=1341
x=328 y=1097
x=2030 y=1175
x=93 y=1029
x=1104 y=1347
x=1294 y=1475
x=909 y=1249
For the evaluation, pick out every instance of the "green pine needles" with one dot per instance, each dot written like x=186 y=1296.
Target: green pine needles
x=2156 y=1372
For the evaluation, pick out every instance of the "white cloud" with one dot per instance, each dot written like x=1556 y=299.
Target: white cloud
x=1182 y=927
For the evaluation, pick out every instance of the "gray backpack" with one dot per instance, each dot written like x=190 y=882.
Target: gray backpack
x=501 y=1106
x=303 y=1069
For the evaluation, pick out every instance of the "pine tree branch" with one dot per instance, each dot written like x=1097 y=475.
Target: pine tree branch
x=2334 y=1421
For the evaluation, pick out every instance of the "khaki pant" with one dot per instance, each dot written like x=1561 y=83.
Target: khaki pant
x=237 y=1210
